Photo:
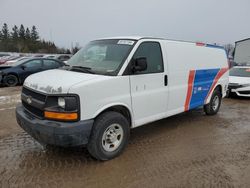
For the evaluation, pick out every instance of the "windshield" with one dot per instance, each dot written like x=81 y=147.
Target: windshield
x=103 y=56
x=242 y=72
x=19 y=62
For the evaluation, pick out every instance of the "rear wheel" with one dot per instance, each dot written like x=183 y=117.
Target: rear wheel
x=214 y=105
x=109 y=137
x=10 y=80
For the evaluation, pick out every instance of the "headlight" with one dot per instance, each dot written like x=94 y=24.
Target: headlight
x=64 y=108
x=61 y=102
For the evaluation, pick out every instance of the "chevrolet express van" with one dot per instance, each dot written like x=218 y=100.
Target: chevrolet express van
x=113 y=85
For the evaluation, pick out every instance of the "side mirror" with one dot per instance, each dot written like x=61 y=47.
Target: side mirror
x=23 y=67
x=139 y=64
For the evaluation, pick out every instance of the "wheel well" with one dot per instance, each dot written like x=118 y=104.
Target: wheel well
x=122 y=110
x=219 y=88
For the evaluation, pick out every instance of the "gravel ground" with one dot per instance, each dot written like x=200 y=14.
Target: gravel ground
x=187 y=150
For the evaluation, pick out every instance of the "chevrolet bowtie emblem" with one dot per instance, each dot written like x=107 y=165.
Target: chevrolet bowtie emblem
x=29 y=99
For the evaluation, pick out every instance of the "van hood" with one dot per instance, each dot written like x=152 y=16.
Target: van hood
x=57 y=81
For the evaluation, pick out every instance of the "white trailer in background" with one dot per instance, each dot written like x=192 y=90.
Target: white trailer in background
x=242 y=51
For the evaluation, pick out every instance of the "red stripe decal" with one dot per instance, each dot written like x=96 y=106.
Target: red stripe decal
x=218 y=76
x=190 y=88
x=200 y=44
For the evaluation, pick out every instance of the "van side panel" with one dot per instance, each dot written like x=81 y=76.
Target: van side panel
x=202 y=83
x=194 y=71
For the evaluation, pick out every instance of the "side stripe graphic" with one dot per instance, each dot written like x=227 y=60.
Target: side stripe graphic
x=190 y=89
x=201 y=84
x=218 y=76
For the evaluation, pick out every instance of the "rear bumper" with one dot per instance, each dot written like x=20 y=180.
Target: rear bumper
x=63 y=134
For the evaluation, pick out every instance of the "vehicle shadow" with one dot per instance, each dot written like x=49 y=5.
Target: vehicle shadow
x=239 y=98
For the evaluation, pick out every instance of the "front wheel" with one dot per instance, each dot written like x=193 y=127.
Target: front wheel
x=109 y=137
x=10 y=80
x=214 y=105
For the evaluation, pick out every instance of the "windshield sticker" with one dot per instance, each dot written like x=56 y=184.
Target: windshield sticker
x=110 y=70
x=126 y=42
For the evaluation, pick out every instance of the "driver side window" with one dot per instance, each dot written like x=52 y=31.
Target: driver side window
x=152 y=52
x=34 y=64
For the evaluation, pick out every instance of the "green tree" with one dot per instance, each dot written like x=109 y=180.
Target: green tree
x=26 y=40
x=27 y=34
x=34 y=34
x=5 y=32
x=13 y=43
x=22 y=32
x=14 y=33
x=1 y=36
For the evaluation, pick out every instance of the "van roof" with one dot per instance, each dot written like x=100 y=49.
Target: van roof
x=156 y=38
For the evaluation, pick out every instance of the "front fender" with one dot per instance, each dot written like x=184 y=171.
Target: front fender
x=105 y=107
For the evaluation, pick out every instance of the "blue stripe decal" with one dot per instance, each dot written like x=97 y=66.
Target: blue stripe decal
x=214 y=46
x=202 y=82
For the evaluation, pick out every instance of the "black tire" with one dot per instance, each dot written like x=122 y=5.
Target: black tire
x=10 y=80
x=212 y=108
x=101 y=124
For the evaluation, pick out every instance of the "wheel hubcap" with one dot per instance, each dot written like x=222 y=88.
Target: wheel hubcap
x=215 y=103
x=11 y=81
x=112 y=137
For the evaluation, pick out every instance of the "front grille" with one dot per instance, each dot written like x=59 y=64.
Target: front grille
x=34 y=94
x=35 y=111
x=244 y=92
x=33 y=107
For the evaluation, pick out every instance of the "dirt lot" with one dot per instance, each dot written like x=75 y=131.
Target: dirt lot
x=188 y=150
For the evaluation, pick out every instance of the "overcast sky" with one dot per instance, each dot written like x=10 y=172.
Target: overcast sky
x=70 y=21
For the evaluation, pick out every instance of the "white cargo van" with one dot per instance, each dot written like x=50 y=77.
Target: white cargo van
x=115 y=84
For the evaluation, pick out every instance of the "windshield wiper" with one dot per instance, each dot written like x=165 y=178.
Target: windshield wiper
x=82 y=69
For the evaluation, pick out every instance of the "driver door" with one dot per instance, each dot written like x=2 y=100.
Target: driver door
x=149 y=91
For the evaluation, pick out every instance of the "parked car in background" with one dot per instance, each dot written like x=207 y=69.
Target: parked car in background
x=51 y=56
x=63 y=57
x=60 y=57
x=239 y=81
x=4 y=59
x=38 y=55
x=9 y=62
x=15 y=73
x=2 y=54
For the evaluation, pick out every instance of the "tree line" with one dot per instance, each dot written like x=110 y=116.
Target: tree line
x=27 y=40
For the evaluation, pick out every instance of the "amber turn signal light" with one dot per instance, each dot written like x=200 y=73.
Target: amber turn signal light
x=61 y=116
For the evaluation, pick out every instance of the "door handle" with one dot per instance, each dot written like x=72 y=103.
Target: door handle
x=166 y=80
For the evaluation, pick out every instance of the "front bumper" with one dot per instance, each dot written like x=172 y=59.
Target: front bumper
x=63 y=134
x=239 y=90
